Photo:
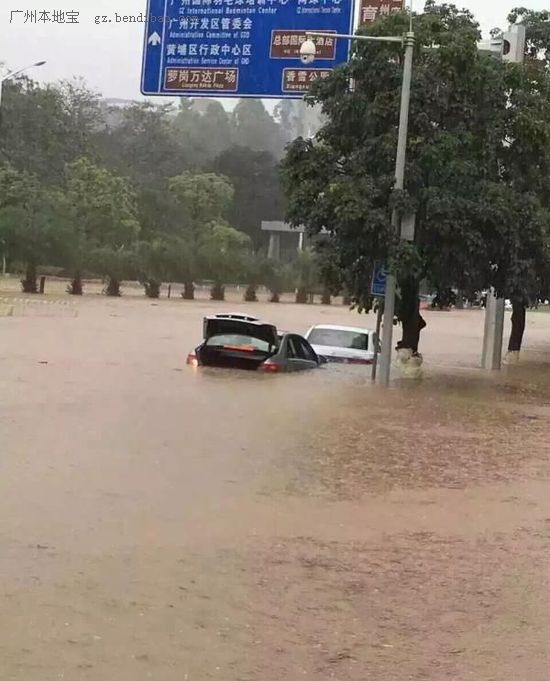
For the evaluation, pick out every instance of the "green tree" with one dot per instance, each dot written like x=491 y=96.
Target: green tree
x=43 y=128
x=206 y=134
x=276 y=278
x=537 y=24
x=256 y=271
x=142 y=145
x=159 y=213
x=255 y=178
x=344 y=178
x=206 y=200
x=34 y=223
x=305 y=275
x=158 y=260
x=254 y=127
x=328 y=267
x=526 y=167
x=104 y=216
x=115 y=263
x=223 y=250
x=296 y=119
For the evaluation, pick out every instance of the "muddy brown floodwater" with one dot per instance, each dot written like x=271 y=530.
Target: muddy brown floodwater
x=162 y=523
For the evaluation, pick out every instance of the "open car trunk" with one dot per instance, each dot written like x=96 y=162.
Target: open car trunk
x=231 y=359
x=237 y=344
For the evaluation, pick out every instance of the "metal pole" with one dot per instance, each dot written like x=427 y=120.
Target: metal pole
x=354 y=36
x=389 y=302
x=491 y=358
x=377 y=341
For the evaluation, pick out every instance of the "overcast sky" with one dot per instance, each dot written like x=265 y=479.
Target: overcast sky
x=108 y=55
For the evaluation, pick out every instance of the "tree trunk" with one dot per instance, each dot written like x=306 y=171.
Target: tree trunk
x=250 y=294
x=217 y=292
x=346 y=299
x=301 y=296
x=76 y=288
x=326 y=298
x=113 y=287
x=518 y=325
x=275 y=297
x=188 y=291
x=152 y=288
x=409 y=314
x=29 y=284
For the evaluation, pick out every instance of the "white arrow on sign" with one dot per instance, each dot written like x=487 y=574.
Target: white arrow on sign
x=154 y=39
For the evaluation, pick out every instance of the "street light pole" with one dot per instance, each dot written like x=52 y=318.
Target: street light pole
x=18 y=72
x=8 y=76
x=408 y=41
x=391 y=284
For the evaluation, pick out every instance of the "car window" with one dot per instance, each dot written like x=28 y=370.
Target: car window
x=298 y=348
x=292 y=350
x=307 y=351
x=340 y=338
x=236 y=340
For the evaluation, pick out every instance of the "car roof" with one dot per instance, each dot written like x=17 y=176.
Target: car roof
x=338 y=327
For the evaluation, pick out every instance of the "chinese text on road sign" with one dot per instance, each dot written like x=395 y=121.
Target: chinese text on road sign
x=371 y=10
x=240 y=48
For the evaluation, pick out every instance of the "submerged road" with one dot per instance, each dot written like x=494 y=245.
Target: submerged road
x=158 y=522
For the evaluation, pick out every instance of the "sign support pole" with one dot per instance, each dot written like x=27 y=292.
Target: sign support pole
x=491 y=359
x=391 y=284
x=377 y=340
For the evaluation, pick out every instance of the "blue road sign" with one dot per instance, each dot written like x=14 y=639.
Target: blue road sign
x=378 y=285
x=240 y=48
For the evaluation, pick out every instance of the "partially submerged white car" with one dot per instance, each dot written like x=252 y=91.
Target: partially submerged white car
x=345 y=344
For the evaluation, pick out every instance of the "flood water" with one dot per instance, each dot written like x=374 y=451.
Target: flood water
x=159 y=522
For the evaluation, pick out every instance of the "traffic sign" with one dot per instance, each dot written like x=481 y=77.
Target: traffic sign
x=240 y=48
x=378 y=284
x=371 y=10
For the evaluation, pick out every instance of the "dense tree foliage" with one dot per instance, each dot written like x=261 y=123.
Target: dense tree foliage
x=159 y=193
x=477 y=154
x=255 y=178
x=140 y=190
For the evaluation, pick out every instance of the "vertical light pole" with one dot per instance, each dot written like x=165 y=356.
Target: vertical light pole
x=3 y=78
x=391 y=284
x=510 y=47
x=307 y=52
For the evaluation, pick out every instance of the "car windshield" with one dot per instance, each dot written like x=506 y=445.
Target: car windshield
x=340 y=338
x=239 y=341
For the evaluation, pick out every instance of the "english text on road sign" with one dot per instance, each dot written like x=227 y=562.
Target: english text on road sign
x=378 y=285
x=240 y=48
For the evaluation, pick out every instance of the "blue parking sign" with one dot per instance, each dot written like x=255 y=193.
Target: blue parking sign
x=240 y=48
x=378 y=285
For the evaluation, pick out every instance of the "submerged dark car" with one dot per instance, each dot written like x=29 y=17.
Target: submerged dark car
x=235 y=343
